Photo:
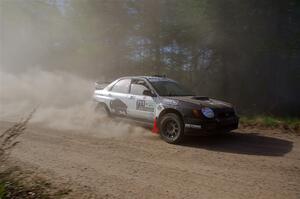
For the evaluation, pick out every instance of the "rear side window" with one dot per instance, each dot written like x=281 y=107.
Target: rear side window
x=138 y=87
x=121 y=86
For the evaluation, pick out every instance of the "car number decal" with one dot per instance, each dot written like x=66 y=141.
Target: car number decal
x=144 y=105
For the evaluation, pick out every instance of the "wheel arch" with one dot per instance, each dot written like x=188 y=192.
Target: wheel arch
x=102 y=104
x=170 y=110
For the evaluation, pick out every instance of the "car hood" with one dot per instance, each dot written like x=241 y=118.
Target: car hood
x=202 y=101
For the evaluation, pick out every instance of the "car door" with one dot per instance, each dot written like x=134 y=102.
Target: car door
x=120 y=99
x=141 y=106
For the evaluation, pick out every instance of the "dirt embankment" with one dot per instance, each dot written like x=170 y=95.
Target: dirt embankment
x=244 y=164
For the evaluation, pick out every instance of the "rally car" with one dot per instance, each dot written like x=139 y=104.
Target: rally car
x=172 y=109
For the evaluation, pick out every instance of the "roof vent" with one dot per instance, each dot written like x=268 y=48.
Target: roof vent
x=201 y=98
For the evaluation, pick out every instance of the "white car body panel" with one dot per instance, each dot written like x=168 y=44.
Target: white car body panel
x=137 y=106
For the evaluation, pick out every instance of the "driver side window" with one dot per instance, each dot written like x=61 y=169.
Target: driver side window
x=138 y=87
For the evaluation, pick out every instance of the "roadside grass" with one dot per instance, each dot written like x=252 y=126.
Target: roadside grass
x=2 y=190
x=284 y=123
x=18 y=184
x=12 y=186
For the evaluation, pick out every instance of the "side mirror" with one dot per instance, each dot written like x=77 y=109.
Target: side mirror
x=149 y=93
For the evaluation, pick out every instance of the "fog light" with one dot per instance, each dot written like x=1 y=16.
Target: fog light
x=196 y=113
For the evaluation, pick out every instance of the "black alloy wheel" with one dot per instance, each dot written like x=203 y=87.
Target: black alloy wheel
x=171 y=128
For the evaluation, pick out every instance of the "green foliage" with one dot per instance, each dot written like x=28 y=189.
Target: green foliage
x=270 y=121
x=2 y=190
x=244 y=52
x=266 y=121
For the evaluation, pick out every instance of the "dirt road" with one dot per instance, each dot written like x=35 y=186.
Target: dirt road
x=248 y=164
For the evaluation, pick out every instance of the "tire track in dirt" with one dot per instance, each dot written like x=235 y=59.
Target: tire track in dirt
x=241 y=165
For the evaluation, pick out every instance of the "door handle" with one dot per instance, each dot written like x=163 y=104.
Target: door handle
x=131 y=97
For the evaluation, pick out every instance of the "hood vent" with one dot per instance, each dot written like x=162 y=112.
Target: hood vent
x=203 y=98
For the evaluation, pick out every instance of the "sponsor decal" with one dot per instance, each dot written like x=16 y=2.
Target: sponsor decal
x=118 y=107
x=170 y=102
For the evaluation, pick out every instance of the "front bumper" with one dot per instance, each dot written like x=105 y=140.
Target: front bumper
x=214 y=125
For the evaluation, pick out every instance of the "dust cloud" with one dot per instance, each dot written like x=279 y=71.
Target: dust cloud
x=63 y=101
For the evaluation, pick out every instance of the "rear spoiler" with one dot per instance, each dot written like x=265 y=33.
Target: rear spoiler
x=99 y=85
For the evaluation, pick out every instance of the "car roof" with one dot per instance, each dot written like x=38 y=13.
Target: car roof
x=149 y=78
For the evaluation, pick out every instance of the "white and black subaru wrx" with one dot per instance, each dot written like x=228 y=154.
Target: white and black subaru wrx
x=169 y=107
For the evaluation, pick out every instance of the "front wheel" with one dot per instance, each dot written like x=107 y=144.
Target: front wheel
x=171 y=128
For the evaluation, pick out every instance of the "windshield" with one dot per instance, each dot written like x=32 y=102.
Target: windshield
x=170 y=88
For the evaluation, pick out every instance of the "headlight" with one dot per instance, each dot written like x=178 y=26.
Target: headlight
x=208 y=112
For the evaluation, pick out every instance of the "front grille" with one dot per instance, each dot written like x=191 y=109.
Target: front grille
x=224 y=113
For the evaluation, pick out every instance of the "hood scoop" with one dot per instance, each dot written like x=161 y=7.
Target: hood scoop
x=203 y=98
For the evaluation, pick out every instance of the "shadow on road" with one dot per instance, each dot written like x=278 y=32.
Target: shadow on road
x=241 y=143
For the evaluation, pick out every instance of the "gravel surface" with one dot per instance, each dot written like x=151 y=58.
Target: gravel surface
x=242 y=164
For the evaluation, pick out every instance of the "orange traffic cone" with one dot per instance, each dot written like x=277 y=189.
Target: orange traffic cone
x=155 y=128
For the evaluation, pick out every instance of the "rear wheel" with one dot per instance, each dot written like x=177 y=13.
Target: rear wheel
x=102 y=109
x=171 y=128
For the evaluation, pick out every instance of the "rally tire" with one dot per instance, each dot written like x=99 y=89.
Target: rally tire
x=102 y=109
x=171 y=128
